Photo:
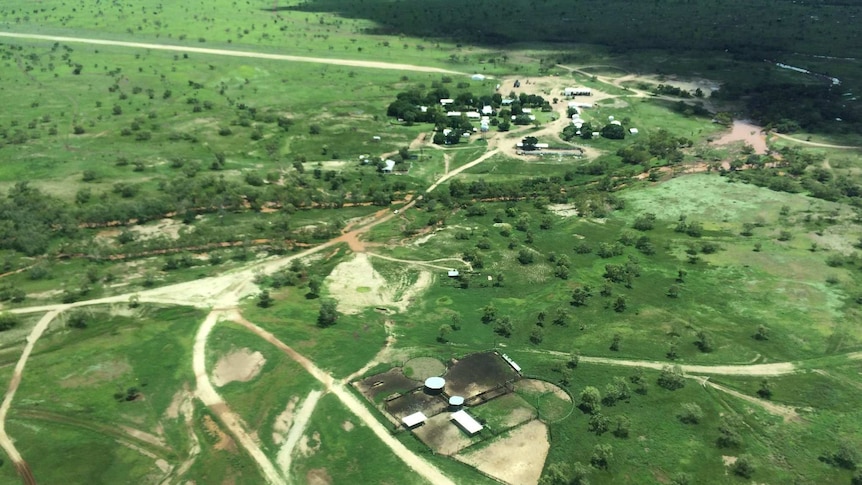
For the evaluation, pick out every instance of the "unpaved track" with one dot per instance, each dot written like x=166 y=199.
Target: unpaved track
x=429 y=264
x=815 y=144
x=460 y=169
x=787 y=412
x=208 y=395
x=232 y=53
x=426 y=470
x=776 y=369
x=5 y=441
x=285 y=453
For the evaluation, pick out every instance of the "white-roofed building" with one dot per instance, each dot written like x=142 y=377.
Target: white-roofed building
x=487 y=110
x=466 y=422
x=414 y=419
x=446 y=101
x=473 y=115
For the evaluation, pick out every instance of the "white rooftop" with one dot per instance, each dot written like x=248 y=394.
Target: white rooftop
x=435 y=383
x=466 y=421
x=414 y=419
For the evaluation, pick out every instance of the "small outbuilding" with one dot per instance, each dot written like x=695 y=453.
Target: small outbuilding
x=414 y=420
x=466 y=422
x=453 y=273
x=477 y=77
x=633 y=131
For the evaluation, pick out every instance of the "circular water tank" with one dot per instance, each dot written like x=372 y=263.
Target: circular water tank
x=456 y=401
x=435 y=383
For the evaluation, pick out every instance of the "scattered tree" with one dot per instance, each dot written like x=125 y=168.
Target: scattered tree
x=622 y=425
x=690 y=413
x=328 y=313
x=598 y=424
x=671 y=378
x=590 y=401
x=264 y=300
x=743 y=466
x=602 y=456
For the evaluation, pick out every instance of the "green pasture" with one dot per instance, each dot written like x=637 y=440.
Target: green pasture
x=341 y=448
x=264 y=397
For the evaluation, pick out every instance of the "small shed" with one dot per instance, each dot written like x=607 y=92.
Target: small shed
x=633 y=131
x=390 y=165
x=487 y=110
x=375 y=138
x=453 y=113
x=466 y=422
x=414 y=419
x=453 y=273
x=456 y=402
x=616 y=122
x=446 y=101
x=473 y=115
x=477 y=77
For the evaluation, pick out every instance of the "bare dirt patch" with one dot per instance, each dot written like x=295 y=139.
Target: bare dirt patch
x=347 y=426
x=224 y=442
x=240 y=365
x=309 y=445
x=422 y=368
x=442 y=435
x=357 y=285
x=517 y=458
x=563 y=210
x=318 y=476
x=165 y=227
x=283 y=421
x=541 y=387
x=744 y=131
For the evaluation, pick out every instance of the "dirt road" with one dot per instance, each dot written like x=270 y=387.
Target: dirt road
x=208 y=395
x=296 y=430
x=460 y=169
x=232 y=53
x=419 y=465
x=815 y=144
x=776 y=369
x=5 y=442
x=429 y=264
x=787 y=412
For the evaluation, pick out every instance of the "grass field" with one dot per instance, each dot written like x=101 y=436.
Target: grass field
x=125 y=169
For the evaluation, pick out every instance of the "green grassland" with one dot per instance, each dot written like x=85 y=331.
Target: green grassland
x=128 y=168
x=260 y=400
x=341 y=449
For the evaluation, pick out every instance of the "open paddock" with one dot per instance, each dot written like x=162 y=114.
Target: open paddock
x=476 y=374
x=385 y=384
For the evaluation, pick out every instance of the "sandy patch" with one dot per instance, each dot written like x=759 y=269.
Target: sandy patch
x=292 y=438
x=283 y=421
x=347 y=426
x=96 y=374
x=535 y=385
x=563 y=210
x=165 y=227
x=309 y=445
x=240 y=365
x=223 y=441
x=357 y=285
x=747 y=132
x=318 y=476
x=517 y=458
x=728 y=460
